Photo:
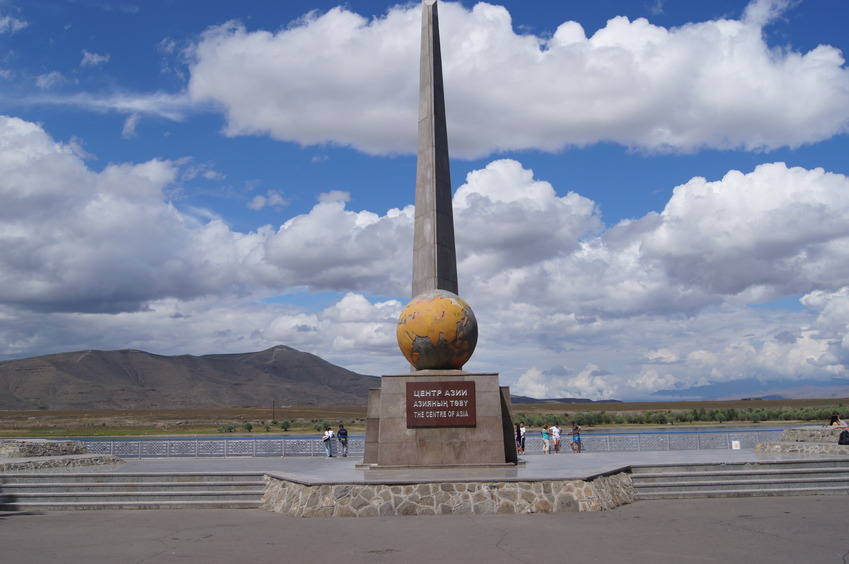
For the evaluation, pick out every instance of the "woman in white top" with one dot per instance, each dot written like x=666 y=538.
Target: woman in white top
x=555 y=436
x=328 y=442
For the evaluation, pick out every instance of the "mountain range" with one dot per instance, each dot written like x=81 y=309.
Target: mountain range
x=133 y=379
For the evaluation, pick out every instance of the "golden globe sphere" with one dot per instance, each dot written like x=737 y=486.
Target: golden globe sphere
x=437 y=330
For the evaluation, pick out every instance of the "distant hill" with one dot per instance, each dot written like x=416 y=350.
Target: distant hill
x=526 y=399
x=132 y=379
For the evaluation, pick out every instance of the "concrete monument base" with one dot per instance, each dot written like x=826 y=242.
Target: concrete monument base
x=439 y=418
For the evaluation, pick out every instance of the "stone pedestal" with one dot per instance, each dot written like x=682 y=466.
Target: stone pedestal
x=439 y=418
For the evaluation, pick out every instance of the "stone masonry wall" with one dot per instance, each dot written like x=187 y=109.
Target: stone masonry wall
x=463 y=498
x=16 y=448
x=803 y=448
x=51 y=462
x=807 y=440
x=811 y=435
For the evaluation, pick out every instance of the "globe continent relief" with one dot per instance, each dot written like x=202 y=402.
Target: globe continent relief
x=437 y=330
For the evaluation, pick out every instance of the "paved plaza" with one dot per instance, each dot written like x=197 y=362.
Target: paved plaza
x=751 y=530
x=772 y=529
x=338 y=470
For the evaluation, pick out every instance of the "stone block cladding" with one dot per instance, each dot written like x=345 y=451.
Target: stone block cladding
x=811 y=434
x=43 y=454
x=390 y=442
x=447 y=498
x=802 y=448
x=807 y=440
x=50 y=462
x=16 y=448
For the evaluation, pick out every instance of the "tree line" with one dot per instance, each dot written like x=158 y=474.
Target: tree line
x=664 y=417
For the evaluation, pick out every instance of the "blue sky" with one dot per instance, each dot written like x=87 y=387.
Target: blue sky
x=651 y=197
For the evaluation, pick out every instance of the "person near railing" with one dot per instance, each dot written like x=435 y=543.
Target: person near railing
x=328 y=441
x=342 y=435
x=546 y=438
x=555 y=437
x=576 y=438
x=517 y=437
x=522 y=431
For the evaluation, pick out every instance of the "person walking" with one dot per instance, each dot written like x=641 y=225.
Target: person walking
x=342 y=435
x=546 y=440
x=328 y=441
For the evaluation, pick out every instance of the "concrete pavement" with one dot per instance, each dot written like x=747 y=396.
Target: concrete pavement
x=751 y=530
x=336 y=470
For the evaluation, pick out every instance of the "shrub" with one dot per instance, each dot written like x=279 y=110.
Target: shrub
x=658 y=418
x=226 y=428
x=285 y=424
x=247 y=427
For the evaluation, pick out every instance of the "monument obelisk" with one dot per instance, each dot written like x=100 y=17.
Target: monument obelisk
x=434 y=254
x=437 y=415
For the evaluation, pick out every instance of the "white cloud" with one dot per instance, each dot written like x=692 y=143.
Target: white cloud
x=130 y=124
x=272 y=198
x=591 y=382
x=707 y=84
x=566 y=306
x=534 y=224
x=9 y=24
x=774 y=232
x=112 y=243
x=48 y=80
x=170 y=106
x=762 y=12
x=93 y=59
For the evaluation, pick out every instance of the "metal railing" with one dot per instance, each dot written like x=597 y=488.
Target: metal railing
x=205 y=447
x=250 y=447
x=641 y=442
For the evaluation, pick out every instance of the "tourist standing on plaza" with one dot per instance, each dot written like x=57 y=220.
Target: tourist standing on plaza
x=342 y=434
x=522 y=430
x=328 y=441
x=546 y=438
x=518 y=436
x=555 y=436
x=576 y=437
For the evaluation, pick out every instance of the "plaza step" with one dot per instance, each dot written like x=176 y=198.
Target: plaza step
x=78 y=491
x=745 y=479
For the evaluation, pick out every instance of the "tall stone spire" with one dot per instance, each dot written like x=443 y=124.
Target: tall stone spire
x=434 y=256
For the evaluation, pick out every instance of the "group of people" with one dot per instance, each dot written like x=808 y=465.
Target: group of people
x=551 y=438
x=341 y=436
